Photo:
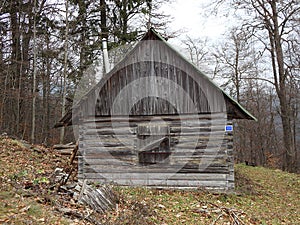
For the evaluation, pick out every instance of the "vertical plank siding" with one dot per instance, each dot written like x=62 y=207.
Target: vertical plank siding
x=160 y=89
x=153 y=70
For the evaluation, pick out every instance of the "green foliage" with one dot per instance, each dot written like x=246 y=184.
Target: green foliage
x=263 y=196
x=19 y=175
x=41 y=180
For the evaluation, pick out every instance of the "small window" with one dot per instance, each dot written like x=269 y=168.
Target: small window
x=153 y=144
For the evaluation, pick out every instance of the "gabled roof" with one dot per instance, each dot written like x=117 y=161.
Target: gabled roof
x=237 y=111
x=152 y=34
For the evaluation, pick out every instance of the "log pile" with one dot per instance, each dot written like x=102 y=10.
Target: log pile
x=100 y=199
x=64 y=149
x=97 y=199
x=69 y=149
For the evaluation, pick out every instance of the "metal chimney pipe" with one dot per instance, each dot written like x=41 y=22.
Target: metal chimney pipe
x=105 y=56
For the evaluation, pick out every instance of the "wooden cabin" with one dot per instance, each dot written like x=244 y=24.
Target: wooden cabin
x=156 y=120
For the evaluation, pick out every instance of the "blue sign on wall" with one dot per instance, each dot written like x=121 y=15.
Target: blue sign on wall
x=228 y=128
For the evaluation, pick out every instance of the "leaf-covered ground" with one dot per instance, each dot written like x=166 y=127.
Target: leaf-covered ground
x=27 y=196
x=263 y=196
x=25 y=176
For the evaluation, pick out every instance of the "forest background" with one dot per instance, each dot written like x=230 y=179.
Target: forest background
x=47 y=47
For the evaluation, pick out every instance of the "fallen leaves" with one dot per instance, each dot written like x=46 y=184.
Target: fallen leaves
x=24 y=180
x=264 y=196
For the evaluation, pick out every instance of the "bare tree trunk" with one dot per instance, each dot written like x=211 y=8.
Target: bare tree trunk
x=281 y=90
x=15 y=67
x=32 y=137
x=236 y=68
x=3 y=103
x=64 y=83
x=104 y=29
x=46 y=96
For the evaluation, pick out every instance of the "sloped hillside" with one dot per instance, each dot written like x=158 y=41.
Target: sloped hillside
x=28 y=195
x=263 y=196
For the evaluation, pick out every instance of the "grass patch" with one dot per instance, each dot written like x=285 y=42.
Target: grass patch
x=263 y=196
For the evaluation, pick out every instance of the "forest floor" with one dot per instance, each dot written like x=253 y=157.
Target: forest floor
x=28 y=195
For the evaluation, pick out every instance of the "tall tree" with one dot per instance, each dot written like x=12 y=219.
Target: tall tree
x=235 y=58
x=272 y=21
x=35 y=63
x=16 y=25
x=64 y=79
x=34 y=75
x=198 y=51
x=127 y=19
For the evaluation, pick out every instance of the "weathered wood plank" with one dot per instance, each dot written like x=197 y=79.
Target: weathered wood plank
x=133 y=162
x=125 y=137
x=179 y=153
x=172 y=117
x=159 y=168
x=100 y=199
x=159 y=176
x=167 y=183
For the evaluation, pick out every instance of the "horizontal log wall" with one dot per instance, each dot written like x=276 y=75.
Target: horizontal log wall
x=201 y=152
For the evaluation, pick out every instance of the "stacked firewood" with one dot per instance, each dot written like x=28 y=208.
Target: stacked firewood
x=99 y=199
x=69 y=149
